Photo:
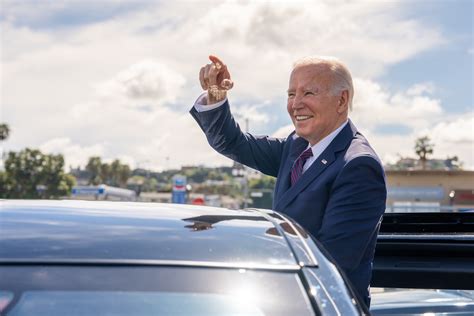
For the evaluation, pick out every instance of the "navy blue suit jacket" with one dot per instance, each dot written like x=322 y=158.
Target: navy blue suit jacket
x=340 y=199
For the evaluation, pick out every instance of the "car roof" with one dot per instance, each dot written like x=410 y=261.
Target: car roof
x=148 y=233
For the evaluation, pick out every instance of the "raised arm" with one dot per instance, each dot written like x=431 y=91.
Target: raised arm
x=262 y=153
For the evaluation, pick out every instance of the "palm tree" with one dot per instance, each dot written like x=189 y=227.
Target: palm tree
x=423 y=148
x=4 y=131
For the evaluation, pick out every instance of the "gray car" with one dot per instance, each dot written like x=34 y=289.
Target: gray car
x=115 y=258
x=118 y=258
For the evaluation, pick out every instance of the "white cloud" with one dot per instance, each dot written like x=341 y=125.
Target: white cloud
x=253 y=113
x=146 y=80
x=71 y=13
x=457 y=132
x=117 y=87
x=259 y=48
x=421 y=88
x=283 y=131
x=375 y=105
x=420 y=114
x=454 y=137
x=162 y=139
x=390 y=148
x=140 y=128
x=75 y=154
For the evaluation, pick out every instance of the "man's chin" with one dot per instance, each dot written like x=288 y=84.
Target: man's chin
x=300 y=134
x=300 y=131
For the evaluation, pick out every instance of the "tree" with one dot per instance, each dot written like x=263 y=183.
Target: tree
x=264 y=182
x=114 y=174
x=453 y=163
x=123 y=175
x=31 y=174
x=423 y=148
x=105 y=173
x=145 y=184
x=94 y=166
x=56 y=182
x=4 y=131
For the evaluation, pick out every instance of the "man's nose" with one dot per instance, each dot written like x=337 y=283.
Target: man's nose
x=297 y=102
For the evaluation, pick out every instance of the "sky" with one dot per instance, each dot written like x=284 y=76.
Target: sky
x=116 y=79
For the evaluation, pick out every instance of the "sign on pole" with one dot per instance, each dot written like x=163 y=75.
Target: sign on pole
x=178 y=194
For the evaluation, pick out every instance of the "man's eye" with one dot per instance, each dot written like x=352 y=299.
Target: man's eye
x=308 y=93
x=291 y=95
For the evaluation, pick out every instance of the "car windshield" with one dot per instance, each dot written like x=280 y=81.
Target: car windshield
x=130 y=303
x=150 y=291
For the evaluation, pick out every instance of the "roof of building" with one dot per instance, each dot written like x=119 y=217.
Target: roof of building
x=429 y=172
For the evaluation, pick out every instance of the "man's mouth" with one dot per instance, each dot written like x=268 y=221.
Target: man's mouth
x=300 y=118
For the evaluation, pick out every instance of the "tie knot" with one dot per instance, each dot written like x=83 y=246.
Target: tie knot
x=306 y=154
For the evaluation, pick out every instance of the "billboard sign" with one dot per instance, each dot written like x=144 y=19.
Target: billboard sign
x=178 y=194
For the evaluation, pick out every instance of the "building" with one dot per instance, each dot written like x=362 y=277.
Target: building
x=407 y=163
x=430 y=190
x=102 y=192
x=209 y=200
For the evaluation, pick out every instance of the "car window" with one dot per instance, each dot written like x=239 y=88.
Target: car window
x=152 y=291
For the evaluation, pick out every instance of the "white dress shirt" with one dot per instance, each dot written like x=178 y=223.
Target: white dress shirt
x=319 y=147
x=201 y=103
x=201 y=106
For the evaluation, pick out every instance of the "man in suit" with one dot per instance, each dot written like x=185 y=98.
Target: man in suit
x=329 y=179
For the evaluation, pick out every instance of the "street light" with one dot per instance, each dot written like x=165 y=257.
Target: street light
x=240 y=171
x=451 y=198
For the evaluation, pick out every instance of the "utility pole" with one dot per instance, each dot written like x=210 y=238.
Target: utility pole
x=246 y=181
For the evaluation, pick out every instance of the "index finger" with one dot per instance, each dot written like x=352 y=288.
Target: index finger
x=215 y=60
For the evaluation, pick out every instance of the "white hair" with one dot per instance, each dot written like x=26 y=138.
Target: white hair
x=341 y=75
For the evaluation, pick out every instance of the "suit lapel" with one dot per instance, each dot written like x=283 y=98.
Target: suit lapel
x=297 y=146
x=321 y=163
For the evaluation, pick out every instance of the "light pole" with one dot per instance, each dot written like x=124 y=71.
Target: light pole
x=246 y=181
x=240 y=170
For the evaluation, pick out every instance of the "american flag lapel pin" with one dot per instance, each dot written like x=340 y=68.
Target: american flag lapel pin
x=324 y=161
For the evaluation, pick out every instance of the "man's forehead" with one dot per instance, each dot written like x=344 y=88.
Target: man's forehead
x=317 y=70
x=311 y=75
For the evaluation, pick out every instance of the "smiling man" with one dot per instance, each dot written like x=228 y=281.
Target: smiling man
x=319 y=95
x=329 y=179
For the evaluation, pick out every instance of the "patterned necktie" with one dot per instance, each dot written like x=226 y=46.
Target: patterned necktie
x=297 y=169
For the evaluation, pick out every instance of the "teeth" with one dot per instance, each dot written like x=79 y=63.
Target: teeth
x=302 y=117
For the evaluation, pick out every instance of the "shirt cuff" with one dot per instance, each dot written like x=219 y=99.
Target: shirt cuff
x=201 y=103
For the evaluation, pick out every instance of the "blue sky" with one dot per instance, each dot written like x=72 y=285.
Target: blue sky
x=116 y=78
x=448 y=66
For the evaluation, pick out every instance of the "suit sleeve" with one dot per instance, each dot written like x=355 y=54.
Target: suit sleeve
x=354 y=210
x=262 y=153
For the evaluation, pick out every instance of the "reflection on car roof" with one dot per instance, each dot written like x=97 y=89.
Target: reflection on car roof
x=111 y=232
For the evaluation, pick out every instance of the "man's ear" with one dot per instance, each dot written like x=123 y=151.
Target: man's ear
x=343 y=104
